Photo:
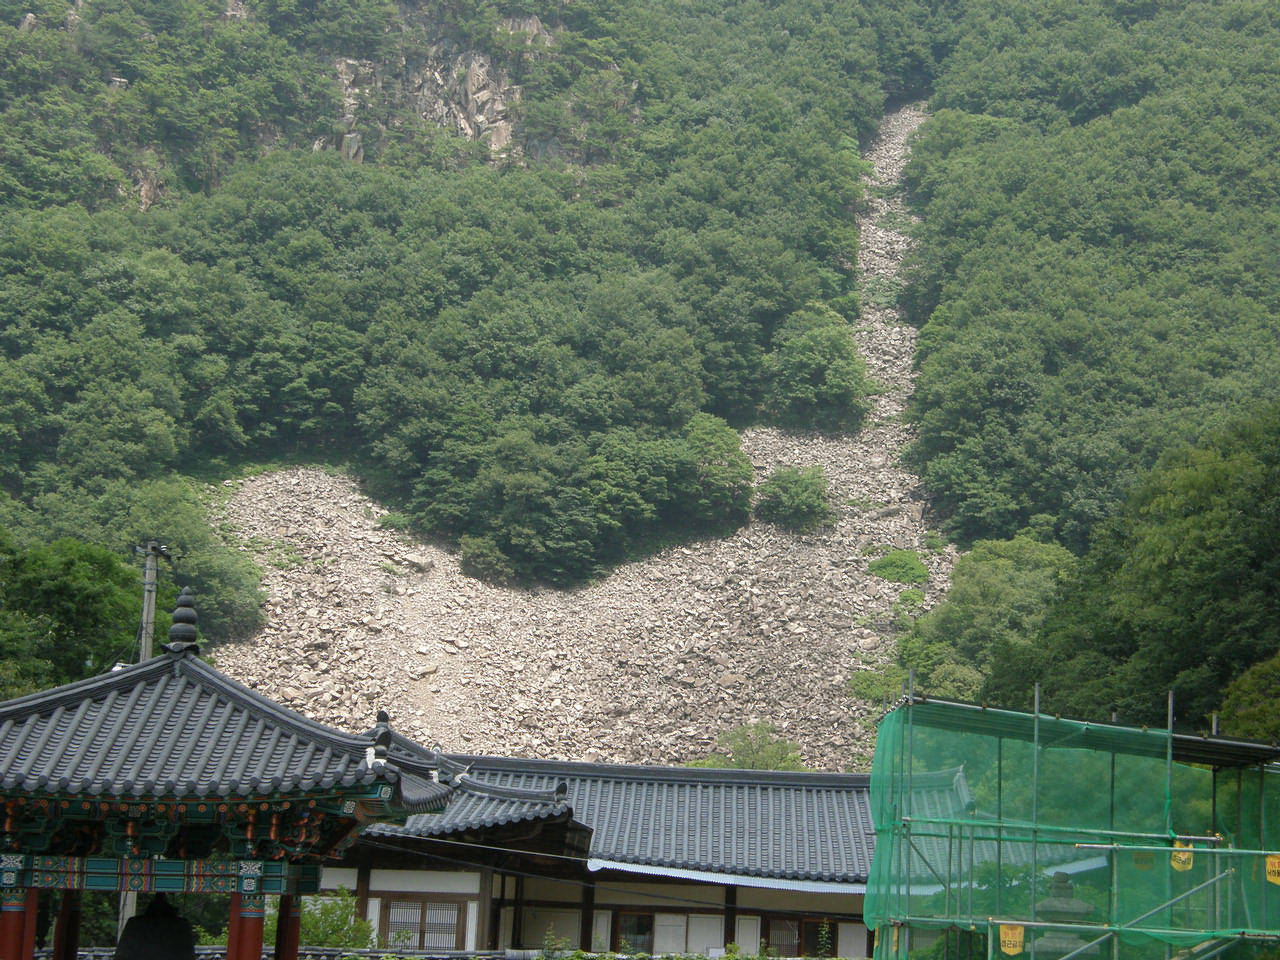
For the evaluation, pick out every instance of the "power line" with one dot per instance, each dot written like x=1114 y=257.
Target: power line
x=482 y=846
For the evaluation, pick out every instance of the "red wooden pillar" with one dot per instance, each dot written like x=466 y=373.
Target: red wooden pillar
x=233 y=928
x=288 y=927
x=18 y=923
x=32 y=914
x=249 y=940
x=66 y=929
x=13 y=921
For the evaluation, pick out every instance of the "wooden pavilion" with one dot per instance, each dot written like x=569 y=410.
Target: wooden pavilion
x=168 y=776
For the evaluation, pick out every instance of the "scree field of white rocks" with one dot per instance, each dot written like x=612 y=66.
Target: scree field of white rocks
x=647 y=666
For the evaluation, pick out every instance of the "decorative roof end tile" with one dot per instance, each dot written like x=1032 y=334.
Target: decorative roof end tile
x=182 y=635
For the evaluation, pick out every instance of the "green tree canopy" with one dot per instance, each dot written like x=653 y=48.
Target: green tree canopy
x=816 y=377
x=1174 y=596
x=753 y=746
x=982 y=641
x=1200 y=547
x=1094 y=278
x=1249 y=707
x=68 y=610
x=794 y=497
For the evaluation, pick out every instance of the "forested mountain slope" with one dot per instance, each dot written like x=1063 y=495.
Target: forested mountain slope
x=1098 y=274
x=535 y=359
x=237 y=233
x=651 y=664
x=1098 y=284
x=538 y=355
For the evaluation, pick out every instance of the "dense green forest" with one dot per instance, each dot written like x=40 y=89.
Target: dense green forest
x=542 y=360
x=543 y=356
x=1098 y=286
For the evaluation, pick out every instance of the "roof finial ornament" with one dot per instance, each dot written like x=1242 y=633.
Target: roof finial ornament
x=182 y=635
x=375 y=755
x=382 y=736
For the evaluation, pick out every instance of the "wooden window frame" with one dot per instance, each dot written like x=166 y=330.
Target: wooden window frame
x=616 y=933
x=803 y=922
x=386 y=897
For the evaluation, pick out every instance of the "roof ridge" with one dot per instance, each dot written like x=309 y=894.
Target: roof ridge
x=479 y=764
x=555 y=795
x=183 y=662
x=73 y=692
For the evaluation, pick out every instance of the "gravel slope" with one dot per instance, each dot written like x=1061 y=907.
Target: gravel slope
x=647 y=666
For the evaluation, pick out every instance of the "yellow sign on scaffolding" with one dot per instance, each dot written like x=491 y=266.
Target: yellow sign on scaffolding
x=1181 y=859
x=1273 y=868
x=1011 y=938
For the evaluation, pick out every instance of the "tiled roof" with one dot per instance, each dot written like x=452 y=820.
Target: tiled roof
x=175 y=727
x=750 y=823
x=476 y=803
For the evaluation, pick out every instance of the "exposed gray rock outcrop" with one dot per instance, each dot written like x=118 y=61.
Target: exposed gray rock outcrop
x=458 y=89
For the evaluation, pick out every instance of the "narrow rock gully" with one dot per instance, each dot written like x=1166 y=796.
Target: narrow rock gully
x=651 y=664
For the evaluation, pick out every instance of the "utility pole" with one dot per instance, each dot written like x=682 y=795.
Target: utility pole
x=150 y=553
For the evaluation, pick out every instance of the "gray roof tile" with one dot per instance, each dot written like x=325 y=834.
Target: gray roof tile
x=175 y=727
x=798 y=826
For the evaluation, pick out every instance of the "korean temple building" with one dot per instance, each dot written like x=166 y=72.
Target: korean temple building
x=168 y=776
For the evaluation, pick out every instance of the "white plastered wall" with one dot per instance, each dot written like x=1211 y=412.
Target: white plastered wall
x=561 y=925
x=851 y=940
x=452 y=882
x=794 y=901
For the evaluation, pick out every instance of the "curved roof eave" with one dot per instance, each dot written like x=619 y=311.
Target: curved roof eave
x=731 y=879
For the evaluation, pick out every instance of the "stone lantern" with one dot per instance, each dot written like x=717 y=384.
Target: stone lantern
x=1062 y=906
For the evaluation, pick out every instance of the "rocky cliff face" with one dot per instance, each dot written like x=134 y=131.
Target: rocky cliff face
x=651 y=664
x=455 y=88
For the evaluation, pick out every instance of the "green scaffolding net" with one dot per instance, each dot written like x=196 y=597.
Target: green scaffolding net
x=1009 y=834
